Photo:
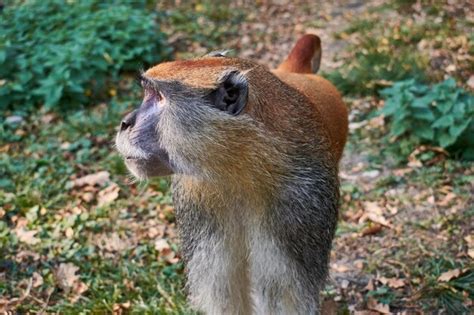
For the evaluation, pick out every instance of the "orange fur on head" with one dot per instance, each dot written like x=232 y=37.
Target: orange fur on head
x=296 y=72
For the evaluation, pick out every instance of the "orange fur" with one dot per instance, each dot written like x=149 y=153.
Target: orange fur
x=301 y=57
x=326 y=99
x=295 y=86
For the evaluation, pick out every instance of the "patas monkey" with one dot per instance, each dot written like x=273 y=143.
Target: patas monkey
x=254 y=157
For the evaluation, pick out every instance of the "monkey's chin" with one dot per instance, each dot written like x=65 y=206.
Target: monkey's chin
x=145 y=168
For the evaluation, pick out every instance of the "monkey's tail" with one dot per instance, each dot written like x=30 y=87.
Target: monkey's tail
x=305 y=57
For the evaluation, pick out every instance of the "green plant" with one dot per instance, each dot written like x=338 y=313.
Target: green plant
x=382 y=53
x=70 y=52
x=441 y=115
x=207 y=24
x=446 y=295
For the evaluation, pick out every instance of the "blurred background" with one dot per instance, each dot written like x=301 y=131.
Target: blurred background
x=78 y=235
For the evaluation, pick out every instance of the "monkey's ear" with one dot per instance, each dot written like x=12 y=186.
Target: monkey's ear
x=231 y=93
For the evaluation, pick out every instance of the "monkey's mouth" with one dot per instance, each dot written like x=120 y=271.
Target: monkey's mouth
x=155 y=165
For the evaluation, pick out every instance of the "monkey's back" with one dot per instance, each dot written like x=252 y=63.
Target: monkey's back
x=326 y=100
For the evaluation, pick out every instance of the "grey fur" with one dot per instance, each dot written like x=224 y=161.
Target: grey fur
x=247 y=255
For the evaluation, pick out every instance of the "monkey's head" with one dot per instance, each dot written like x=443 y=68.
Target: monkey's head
x=192 y=119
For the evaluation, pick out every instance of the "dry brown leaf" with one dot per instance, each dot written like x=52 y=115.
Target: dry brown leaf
x=470 y=82
x=371 y=230
x=402 y=171
x=450 y=274
x=37 y=280
x=69 y=232
x=26 y=254
x=108 y=194
x=87 y=196
x=66 y=276
x=374 y=213
x=340 y=267
x=161 y=245
x=99 y=178
x=77 y=291
x=373 y=305
x=470 y=252
x=469 y=240
x=48 y=118
x=112 y=243
x=156 y=231
x=27 y=237
x=370 y=285
x=447 y=199
x=118 y=308
x=376 y=122
x=392 y=282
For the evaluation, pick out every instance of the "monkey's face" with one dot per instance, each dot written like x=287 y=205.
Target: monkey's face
x=180 y=128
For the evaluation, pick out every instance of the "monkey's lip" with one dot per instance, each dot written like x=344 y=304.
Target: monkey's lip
x=156 y=165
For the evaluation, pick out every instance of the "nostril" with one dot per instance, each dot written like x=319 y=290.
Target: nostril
x=128 y=121
x=124 y=125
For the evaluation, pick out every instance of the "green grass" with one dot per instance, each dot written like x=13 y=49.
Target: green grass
x=120 y=266
x=36 y=189
x=388 y=49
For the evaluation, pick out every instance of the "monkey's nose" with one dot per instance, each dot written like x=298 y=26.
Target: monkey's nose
x=128 y=121
x=124 y=125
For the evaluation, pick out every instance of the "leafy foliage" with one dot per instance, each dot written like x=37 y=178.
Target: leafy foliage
x=448 y=295
x=205 y=25
x=441 y=115
x=71 y=54
x=385 y=49
x=374 y=62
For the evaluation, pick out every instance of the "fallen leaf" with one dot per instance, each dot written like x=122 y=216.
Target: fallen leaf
x=27 y=237
x=374 y=213
x=373 y=305
x=339 y=267
x=69 y=232
x=66 y=276
x=77 y=291
x=37 y=280
x=100 y=179
x=469 y=240
x=112 y=243
x=371 y=230
x=392 y=282
x=22 y=255
x=450 y=274
x=470 y=82
x=447 y=199
x=87 y=196
x=402 y=171
x=370 y=285
x=156 y=231
x=48 y=118
x=161 y=244
x=107 y=195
